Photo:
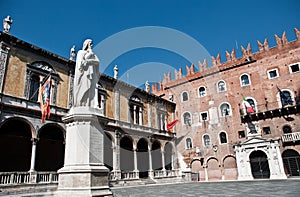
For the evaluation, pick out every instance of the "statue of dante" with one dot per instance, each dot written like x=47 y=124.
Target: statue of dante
x=86 y=77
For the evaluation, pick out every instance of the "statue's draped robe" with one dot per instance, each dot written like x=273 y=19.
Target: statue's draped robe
x=86 y=79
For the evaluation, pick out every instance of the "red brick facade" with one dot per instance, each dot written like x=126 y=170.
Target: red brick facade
x=255 y=76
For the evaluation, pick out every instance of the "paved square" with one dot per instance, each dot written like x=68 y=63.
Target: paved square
x=262 y=188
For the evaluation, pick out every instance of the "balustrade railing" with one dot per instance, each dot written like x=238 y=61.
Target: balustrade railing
x=164 y=173
x=291 y=137
x=170 y=173
x=158 y=173
x=129 y=175
x=28 y=177
x=47 y=177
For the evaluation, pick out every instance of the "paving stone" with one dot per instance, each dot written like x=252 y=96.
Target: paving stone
x=286 y=188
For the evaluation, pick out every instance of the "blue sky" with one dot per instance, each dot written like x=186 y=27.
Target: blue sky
x=216 y=26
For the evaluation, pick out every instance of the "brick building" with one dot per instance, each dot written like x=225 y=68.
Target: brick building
x=217 y=137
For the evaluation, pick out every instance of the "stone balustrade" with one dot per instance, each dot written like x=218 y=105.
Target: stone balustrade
x=291 y=137
x=7 y=178
x=132 y=175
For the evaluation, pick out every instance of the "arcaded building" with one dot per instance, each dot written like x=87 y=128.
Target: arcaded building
x=217 y=137
x=137 y=144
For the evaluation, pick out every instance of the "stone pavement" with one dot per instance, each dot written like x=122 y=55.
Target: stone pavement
x=261 y=188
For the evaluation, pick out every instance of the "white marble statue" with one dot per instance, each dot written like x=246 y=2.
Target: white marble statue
x=72 y=53
x=116 y=72
x=6 y=24
x=86 y=77
x=147 y=85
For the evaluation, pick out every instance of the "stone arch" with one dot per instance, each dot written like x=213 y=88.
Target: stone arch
x=51 y=139
x=196 y=165
x=259 y=164
x=197 y=169
x=291 y=162
x=126 y=153
x=213 y=169
x=230 y=168
x=156 y=155
x=15 y=144
x=143 y=157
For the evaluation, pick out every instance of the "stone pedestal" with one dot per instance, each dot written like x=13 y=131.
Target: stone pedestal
x=84 y=173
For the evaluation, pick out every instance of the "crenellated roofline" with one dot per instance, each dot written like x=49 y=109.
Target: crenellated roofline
x=231 y=62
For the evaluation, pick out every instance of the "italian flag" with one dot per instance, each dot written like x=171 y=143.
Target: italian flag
x=248 y=106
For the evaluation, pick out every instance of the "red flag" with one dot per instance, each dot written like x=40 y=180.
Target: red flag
x=44 y=95
x=171 y=125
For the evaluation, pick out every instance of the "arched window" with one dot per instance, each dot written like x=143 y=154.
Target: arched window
x=245 y=80
x=223 y=137
x=287 y=129
x=249 y=105
x=185 y=96
x=36 y=75
x=285 y=98
x=189 y=143
x=221 y=86
x=225 y=109
x=187 y=118
x=206 y=140
x=251 y=102
x=202 y=91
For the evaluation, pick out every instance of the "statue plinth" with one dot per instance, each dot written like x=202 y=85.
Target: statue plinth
x=84 y=173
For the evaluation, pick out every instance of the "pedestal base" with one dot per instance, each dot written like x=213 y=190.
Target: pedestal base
x=84 y=173
x=83 y=180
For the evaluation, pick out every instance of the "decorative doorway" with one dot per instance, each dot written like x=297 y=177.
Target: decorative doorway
x=259 y=165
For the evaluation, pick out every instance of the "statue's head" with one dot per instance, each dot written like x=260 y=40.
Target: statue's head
x=86 y=44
